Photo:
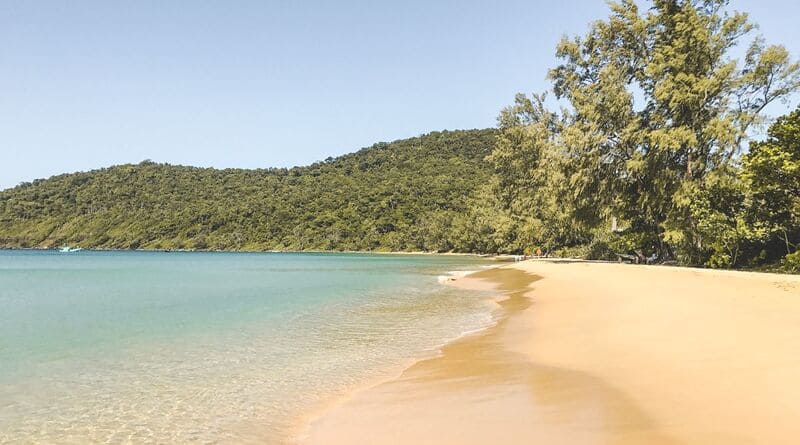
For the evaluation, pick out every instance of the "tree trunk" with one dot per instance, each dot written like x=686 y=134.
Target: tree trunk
x=786 y=240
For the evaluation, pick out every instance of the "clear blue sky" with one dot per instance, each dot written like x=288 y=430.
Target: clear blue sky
x=265 y=83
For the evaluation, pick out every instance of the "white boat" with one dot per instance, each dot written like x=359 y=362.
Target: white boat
x=67 y=249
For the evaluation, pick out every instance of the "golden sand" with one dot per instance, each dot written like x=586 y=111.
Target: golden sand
x=600 y=353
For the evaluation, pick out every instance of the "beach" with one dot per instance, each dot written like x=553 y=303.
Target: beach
x=598 y=353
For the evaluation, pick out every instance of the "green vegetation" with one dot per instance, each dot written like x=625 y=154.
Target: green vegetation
x=406 y=195
x=770 y=177
x=646 y=158
x=650 y=139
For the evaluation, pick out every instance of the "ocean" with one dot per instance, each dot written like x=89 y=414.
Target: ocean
x=178 y=347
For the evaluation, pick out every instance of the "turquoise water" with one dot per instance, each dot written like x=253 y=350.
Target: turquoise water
x=115 y=347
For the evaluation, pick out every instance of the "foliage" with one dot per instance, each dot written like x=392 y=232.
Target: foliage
x=791 y=263
x=656 y=114
x=771 y=172
x=404 y=195
x=531 y=180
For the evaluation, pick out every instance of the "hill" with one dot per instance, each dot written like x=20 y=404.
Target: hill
x=402 y=195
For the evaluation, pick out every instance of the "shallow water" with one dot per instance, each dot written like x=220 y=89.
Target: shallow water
x=208 y=347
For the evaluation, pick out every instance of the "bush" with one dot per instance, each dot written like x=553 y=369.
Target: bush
x=579 y=251
x=600 y=250
x=791 y=262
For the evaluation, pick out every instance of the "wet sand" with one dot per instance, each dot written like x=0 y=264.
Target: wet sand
x=600 y=353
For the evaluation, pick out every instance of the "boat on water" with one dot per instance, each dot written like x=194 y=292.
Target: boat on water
x=68 y=249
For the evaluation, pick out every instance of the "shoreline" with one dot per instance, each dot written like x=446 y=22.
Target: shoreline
x=464 y=279
x=598 y=352
x=499 y=257
x=505 y=298
x=336 y=322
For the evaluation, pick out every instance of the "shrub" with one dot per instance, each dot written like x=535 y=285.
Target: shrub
x=791 y=262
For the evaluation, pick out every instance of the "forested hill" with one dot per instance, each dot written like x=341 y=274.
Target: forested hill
x=403 y=195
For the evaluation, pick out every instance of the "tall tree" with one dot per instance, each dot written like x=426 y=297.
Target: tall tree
x=529 y=171
x=656 y=103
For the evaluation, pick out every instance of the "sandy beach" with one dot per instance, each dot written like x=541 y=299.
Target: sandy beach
x=599 y=353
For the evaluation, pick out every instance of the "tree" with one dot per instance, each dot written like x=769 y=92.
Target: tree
x=530 y=183
x=656 y=104
x=772 y=173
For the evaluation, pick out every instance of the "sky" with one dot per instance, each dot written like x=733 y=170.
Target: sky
x=253 y=84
